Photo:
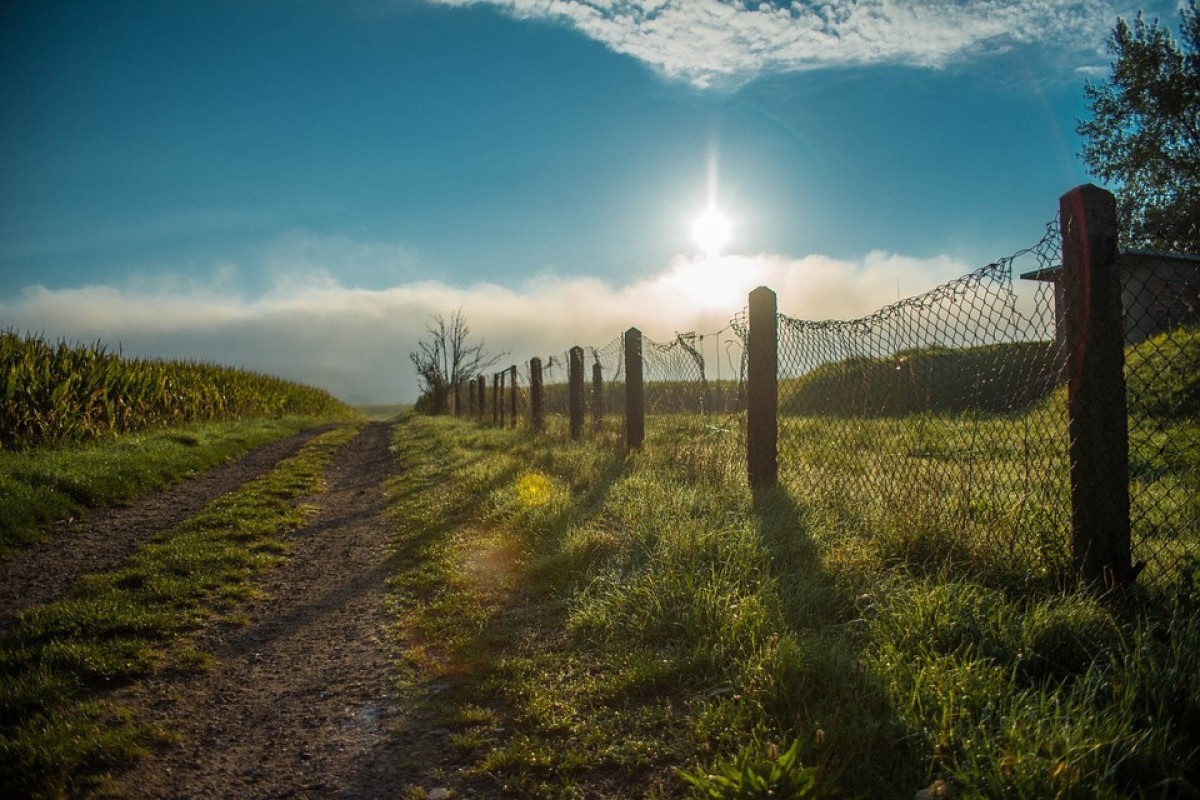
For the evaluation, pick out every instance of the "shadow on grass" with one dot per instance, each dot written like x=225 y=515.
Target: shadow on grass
x=822 y=694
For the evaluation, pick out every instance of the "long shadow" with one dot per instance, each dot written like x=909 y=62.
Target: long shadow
x=420 y=751
x=825 y=696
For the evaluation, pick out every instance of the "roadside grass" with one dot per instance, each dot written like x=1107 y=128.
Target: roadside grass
x=590 y=623
x=43 y=485
x=59 y=663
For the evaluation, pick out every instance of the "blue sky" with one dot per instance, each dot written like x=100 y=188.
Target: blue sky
x=295 y=185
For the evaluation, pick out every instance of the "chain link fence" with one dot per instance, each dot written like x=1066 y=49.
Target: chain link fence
x=935 y=421
x=945 y=424
x=1161 y=300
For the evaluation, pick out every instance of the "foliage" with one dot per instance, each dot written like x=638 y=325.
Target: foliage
x=755 y=774
x=72 y=392
x=446 y=360
x=1144 y=134
x=1163 y=374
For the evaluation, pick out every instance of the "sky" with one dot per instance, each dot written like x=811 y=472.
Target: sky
x=296 y=186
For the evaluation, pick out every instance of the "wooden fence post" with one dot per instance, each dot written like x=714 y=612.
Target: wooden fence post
x=512 y=396
x=762 y=390
x=482 y=382
x=597 y=394
x=496 y=399
x=471 y=403
x=536 y=420
x=635 y=397
x=1094 y=333
x=575 y=376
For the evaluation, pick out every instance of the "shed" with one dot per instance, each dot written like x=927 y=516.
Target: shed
x=1159 y=292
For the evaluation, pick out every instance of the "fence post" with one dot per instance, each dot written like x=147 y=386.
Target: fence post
x=495 y=399
x=635 y=397
x=535 y=394
x=471 y=387
x=1094 y=333
x=597 y=394
x=762 y=390
x=575 y=376
x=482 y=382
x=512 y=396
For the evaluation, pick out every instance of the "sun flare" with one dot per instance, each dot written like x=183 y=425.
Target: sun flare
x=711 y=231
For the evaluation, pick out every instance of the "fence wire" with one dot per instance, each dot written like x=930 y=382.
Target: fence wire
x=1161 y=298
x=936 y=421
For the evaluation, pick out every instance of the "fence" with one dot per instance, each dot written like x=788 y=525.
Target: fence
x=1044 y=407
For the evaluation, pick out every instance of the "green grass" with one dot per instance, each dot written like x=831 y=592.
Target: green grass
x=60 y=731
x=42 y=485
x=599 y=624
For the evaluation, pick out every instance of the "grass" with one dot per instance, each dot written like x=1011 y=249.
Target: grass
x=60 y=732
x=43 y=485
x=602 y=624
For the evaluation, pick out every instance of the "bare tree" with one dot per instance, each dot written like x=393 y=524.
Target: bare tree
x=447 y=359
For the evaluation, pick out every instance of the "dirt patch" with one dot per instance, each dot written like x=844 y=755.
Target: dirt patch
x=103 y=538
x=299 y=701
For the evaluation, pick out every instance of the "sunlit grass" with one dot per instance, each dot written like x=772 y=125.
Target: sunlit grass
x=658 y=616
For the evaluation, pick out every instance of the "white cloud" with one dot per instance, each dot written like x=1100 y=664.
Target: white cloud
x=355 y=342
x=709 y=41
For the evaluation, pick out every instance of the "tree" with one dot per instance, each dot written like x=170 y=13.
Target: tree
x=447 y=359
x=1144 y=135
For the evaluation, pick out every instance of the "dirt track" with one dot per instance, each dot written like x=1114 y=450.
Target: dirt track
x=105 y=537
x=299 y=702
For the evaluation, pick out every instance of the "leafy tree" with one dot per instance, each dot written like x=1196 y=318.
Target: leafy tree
x=447 y=359
x=1144 y=135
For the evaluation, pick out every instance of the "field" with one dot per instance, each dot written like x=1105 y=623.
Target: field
x=653 y=615
x=575 y=620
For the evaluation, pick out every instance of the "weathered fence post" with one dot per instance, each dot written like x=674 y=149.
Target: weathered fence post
x=512 y=396
x=635 y=397
x=575 y=376
x=471 y=401
x=762 y=390
x=496 y=399
x=597 y=394
x=536 y=421
x=482 y=383
x=1094 y=331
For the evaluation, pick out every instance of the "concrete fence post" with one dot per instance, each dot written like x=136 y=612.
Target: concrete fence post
x=635 y=395
x=762 y=390
x=1094 y=331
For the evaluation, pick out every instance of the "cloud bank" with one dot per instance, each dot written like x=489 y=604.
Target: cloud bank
x=313 y=328
x=709 y=41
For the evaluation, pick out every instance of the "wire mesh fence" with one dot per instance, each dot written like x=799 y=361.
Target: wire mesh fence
x=935 y=418
x=950 y=424
x=1161 y=299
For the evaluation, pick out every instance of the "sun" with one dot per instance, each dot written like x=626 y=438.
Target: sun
x=711 y=231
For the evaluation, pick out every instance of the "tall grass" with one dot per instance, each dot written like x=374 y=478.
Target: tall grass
x=656 y=615
x=51 y=393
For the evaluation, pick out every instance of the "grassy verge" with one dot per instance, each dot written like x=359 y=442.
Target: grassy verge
x=602 y=625
x=58 y=664
x=46 y=484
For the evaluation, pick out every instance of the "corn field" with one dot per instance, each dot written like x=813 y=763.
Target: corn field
x=52 y=393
